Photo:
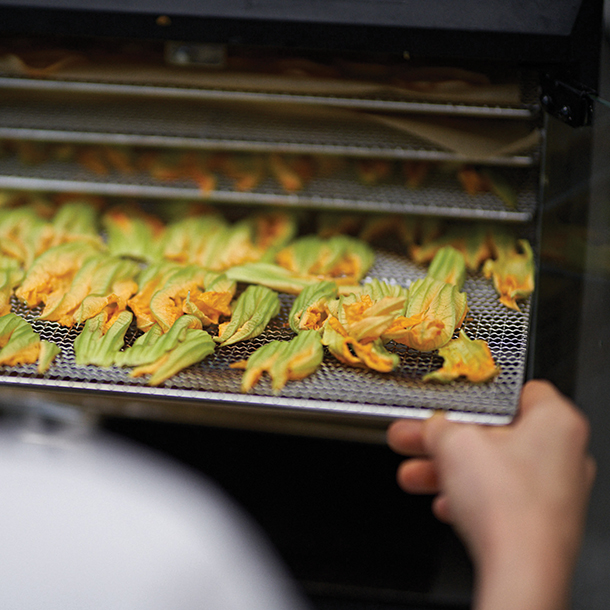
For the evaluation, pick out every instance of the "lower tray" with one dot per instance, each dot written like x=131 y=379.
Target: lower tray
x=335 y=390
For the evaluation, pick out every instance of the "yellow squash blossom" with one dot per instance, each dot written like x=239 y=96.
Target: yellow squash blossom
x=133 y=233
x=310 y=309
x=19 y=344
x=193 y=347
x=151 y=280
x=435 y=306
x=99 y=344
x=52 y=273
x=340 y=258
x=252 y=312
x=10 y=276
x=154 y=343
x=350 y=351
x=24 y=234
x=434 y=311
x=512 y=273
x=186 y=240
x=212 y=304
x=103 y=282
x=170 y=302
x=270 y=275
x=465 y=357
x=283 y=361
x=355 y=326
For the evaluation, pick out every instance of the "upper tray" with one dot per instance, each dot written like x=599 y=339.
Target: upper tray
x=245 y=126
x=270 y=89
x=441 y=196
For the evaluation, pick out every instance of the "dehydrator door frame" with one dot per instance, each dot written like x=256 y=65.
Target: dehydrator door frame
x=558 y=35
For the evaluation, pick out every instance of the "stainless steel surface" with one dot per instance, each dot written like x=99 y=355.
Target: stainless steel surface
x=334 y=389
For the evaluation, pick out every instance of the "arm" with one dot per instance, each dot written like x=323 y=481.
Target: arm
x=517 y=495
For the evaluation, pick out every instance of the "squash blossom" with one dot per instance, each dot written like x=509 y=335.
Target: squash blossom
x=154 y=343
x=270 y=275
x=133 y=234
x=75 y=220
x=340 y=258
x=283 y=361
x=252 y=312
x=150 y=280
x=246 y=170
x=435 y=306
x=465 y=357
x=477 y=181
x=272 y=231
x=471 y=240
x=99 y=345
x=291 y=171
x=512 y=273
x=364 y=319
x=19 y=344
x=449 y=266
x=377 y=227
x=186 y=240
x=52 y=273
x=24 y=235
x=232 y=245
x=183 y=291
x=434 y=311
x=213 y=303
x=10 y=277
x=378 y=289
x=355 y=326
x=103 y=283
x=310 y=309
x=354 y=353
x=194 y=345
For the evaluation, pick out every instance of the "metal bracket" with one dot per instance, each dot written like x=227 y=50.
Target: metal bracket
x=572 y=105
x=189 y=54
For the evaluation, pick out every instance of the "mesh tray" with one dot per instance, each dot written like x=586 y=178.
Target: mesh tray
x=528 y=109
x=213 y=125
x=443 y=197
x=335 y=388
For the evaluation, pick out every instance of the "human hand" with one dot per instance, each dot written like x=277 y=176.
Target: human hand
x=517 y=494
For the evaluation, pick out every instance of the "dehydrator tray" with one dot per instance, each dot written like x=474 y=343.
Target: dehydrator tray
x=236 y=126
x=442 y=197
x=336 y=390
x=374 y=101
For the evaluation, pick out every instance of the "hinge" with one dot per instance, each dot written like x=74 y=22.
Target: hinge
x=570 y=104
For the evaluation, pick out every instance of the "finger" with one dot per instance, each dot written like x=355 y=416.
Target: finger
x=539 y=391
x=435 y=430
x=405 y=437
x=417 y=476
x=540 y=401
x=440 y=508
